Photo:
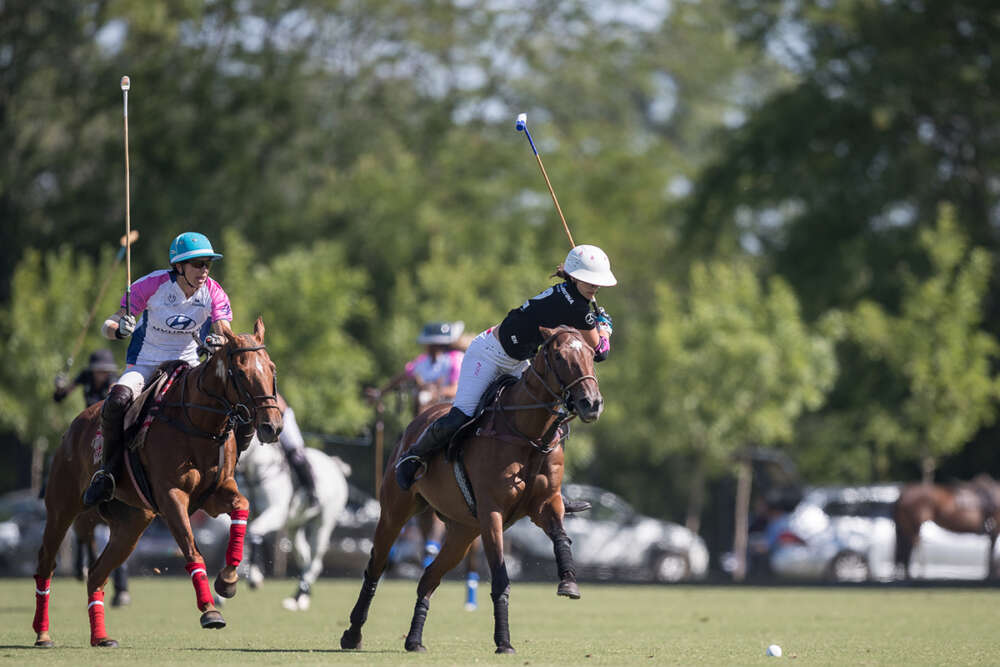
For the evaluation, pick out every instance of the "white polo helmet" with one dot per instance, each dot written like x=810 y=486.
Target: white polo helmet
x=591 y=265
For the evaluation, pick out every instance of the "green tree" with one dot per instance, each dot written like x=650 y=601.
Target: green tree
x=38 y=328
x=937 y=348
x=734 y=365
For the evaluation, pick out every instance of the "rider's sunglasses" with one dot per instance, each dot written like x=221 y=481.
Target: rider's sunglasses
x=201 y=263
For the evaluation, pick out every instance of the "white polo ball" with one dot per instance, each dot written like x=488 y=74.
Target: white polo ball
x=774 y=651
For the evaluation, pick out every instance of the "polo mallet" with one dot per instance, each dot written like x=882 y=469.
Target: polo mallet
x=522 y=126
x=126 y=84
x=125 y=241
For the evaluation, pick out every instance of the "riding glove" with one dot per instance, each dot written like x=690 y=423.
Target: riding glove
x=126 y=325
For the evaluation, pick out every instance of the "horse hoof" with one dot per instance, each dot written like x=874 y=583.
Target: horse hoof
x=45 y=643
x=506 y=650
x=349 y=641
x=569 y=589
x=224 y=588
x=212 y=620
x=121 y=599
x=104 y=643
x=416 y=647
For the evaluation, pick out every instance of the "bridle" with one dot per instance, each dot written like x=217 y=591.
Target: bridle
x=239 y=413
x=562 y=405
x=562 y=396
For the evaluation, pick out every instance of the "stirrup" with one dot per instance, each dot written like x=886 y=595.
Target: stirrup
x=421 y=471
x=104 y=474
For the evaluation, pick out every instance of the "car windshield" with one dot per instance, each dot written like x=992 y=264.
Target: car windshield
x=867 y=508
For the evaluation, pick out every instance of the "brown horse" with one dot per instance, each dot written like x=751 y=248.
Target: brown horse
x=969 y=507
x=514 y=468
x=188 y=456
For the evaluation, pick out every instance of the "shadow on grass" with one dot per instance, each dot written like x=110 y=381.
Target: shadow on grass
x=30 y=647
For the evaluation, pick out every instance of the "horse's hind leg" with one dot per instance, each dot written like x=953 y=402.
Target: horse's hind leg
x=456 y=544
x=62 y=505
x=127 y=525
x=389 y=524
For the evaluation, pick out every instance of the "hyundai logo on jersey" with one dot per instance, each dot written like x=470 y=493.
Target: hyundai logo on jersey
x=181 y=322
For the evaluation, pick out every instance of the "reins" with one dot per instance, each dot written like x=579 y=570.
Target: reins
x=240 y=413
x=564 y=413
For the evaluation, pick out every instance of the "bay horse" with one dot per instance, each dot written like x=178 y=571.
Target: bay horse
x=968 y=507
x=188 y=458
x=513 y=467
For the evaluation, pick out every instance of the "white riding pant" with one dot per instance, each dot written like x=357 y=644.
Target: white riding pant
x=484 y=361
x=136 y=376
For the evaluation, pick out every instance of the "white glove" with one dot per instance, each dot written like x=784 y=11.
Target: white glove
x=126 y=325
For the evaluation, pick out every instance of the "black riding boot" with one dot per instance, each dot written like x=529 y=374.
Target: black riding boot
x=299 y=464
x=102 y=486
x=437 y=436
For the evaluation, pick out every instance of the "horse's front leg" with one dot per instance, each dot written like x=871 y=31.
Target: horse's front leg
x=175 y=513
x=491 y=524
x=228 y=499
x=549 y=518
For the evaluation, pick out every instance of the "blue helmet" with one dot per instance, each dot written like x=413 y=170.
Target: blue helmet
x=191 y=245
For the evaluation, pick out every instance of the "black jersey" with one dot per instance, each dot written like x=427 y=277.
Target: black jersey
x=561 y=304
x=92 y=392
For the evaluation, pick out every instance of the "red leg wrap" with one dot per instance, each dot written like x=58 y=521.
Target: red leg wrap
x=199 y=579
x=41 y=622
x=237 y=529
x=96 y=610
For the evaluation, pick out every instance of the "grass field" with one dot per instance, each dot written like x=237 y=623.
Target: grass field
x=609 y=625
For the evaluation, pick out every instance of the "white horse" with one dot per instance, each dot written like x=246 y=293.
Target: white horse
x=277 y=503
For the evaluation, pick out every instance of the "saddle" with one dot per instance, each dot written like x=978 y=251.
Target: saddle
x=474 y=424
x=143 y=409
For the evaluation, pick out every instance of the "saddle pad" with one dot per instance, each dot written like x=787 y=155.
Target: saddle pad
x=141 y=413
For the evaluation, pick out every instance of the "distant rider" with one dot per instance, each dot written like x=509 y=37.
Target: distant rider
x=434 y=371
x=172 y=303
x=507 y=347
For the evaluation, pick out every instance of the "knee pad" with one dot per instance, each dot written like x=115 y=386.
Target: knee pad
x=117 y=401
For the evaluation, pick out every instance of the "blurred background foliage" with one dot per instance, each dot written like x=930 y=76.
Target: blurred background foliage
x=799 y=199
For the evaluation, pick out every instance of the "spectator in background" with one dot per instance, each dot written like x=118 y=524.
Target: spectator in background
x=435 y=371
x=96 y=379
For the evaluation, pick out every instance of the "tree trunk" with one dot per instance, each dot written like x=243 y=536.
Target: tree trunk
x=743 y=481
x=696 y=496
x=927 y=466
x=41 y=445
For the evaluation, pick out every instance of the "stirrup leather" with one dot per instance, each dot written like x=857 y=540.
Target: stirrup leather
x=421 y=471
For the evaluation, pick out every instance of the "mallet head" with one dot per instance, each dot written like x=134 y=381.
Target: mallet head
x=522 y=121
x=125 y=83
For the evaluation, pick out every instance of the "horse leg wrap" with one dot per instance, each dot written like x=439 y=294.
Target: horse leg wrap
x=360 y=612
x=95 y=608
x=564 y=556
x=416 y=634
x=199 y=579
x=42 y=589
x=500 y=586
x=501 y=626
x=237 y=530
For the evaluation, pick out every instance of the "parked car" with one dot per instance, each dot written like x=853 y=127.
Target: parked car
x=22 y=522
x=847 y=534
x=611 y=541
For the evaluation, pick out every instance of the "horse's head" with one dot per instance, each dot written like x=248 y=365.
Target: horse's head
x=565 y=363
x=250 y=380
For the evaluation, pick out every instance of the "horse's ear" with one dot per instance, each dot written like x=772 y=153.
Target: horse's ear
x=258 y=330
x=228 y=333
x=546 y=332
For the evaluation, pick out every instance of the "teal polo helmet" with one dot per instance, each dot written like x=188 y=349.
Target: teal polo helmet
x=191 y=245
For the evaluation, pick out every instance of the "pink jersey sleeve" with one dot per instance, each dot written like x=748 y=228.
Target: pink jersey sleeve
x=220 y=302
x=143 y=288
x=412 y=364
x=455 y=356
